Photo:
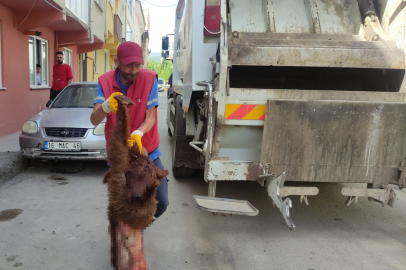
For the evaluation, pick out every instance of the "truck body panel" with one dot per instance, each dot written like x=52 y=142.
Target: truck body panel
x=190 y=50
x=309 y=91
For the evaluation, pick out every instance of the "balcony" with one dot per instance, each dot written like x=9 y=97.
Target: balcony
x=118 y=27
x=71 y=29
x=44 y=14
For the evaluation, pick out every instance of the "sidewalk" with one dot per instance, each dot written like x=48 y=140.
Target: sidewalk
x=11 y=161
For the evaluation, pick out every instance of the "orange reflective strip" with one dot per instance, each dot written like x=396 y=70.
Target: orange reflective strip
x=245 y=112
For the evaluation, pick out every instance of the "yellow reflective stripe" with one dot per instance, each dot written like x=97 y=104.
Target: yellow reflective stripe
x=230 y=108
x=256 y=113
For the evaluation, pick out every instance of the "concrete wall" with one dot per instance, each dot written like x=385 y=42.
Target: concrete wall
x=94 y=75
x=109 y=43
x=108 y=59
x=130 y=21
x=75 y=63
x=61 y=3
x=139 y=22
x=394 y=24
x=99 y=19
x=110 y=20
x=100 y=71
x=136 y=21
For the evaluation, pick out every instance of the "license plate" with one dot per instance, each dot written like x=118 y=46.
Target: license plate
x=62 y=146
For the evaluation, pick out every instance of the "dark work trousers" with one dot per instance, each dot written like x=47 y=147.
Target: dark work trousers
x=52 y=95
x=161 y=192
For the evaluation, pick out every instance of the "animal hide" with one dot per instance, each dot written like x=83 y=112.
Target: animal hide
x=132 y=180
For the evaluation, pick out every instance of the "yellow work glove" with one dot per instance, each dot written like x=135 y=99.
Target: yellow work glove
x=110 y=105
x=136 y=137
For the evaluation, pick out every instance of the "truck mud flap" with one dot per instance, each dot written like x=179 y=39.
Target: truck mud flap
x=225 y=206
x=335 y=141
x=185 y=155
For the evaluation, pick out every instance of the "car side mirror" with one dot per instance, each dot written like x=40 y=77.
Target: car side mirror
x=165 y=43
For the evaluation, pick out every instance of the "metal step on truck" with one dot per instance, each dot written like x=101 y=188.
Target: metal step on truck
x=289 y=91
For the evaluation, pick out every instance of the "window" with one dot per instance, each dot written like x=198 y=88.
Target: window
x=122 y=10
x=75 y=96
x=80 y=8
x=96 y=61
x=106 y=61
x=67 y=55
x=38 y=54
x=130 y=6
x=123 y=31
x=83 y=67
x=129 y=33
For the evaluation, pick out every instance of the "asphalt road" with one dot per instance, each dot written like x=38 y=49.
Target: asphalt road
x=62 y=224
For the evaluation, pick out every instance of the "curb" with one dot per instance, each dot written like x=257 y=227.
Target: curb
x=11 y=164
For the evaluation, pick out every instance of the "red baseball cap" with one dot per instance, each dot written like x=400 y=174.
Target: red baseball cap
x=130 y=52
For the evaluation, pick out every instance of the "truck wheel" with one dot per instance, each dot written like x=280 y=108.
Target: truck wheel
x=182 y=172
x=179 y=129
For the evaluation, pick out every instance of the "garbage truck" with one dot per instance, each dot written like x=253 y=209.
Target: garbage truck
x=286 y=94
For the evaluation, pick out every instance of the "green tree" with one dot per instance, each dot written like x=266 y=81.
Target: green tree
x=163 y=69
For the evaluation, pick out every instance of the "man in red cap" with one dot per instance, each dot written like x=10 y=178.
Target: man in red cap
x=142 y=87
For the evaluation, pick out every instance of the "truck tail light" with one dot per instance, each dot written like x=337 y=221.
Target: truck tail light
x=212 y=18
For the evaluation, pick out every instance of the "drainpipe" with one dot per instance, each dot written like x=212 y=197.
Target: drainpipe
x=91 y=21
x=56 y=43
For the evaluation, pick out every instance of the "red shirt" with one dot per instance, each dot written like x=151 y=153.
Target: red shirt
x=62 y=74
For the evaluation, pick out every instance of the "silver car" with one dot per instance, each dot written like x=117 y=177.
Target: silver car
x=64 y=131
x=160 y=85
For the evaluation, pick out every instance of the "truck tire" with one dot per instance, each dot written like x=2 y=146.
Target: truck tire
x=182 y=172
x=179 y=129
x=169 y=94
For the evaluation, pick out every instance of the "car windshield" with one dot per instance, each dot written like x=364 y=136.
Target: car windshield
x=160 y=81
x=76 y=96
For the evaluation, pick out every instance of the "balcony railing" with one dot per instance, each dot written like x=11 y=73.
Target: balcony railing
x=80 y=8
x=118 y=27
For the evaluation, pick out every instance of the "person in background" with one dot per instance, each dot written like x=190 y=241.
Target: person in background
x=62 y=77
x=38 y=77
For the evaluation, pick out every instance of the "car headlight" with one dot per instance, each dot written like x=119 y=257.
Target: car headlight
x=99 y=129
x=30 y=127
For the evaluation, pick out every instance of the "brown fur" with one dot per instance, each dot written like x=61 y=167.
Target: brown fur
x=132 y=178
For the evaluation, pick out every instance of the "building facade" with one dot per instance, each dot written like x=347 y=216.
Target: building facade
x=88 y=32
x=31 y=32
x=125 y=21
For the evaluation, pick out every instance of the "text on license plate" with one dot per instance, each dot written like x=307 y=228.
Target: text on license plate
x=62 y=146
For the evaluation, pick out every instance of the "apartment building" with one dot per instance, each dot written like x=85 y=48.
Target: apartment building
x=125 y=21
x=31 y=32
